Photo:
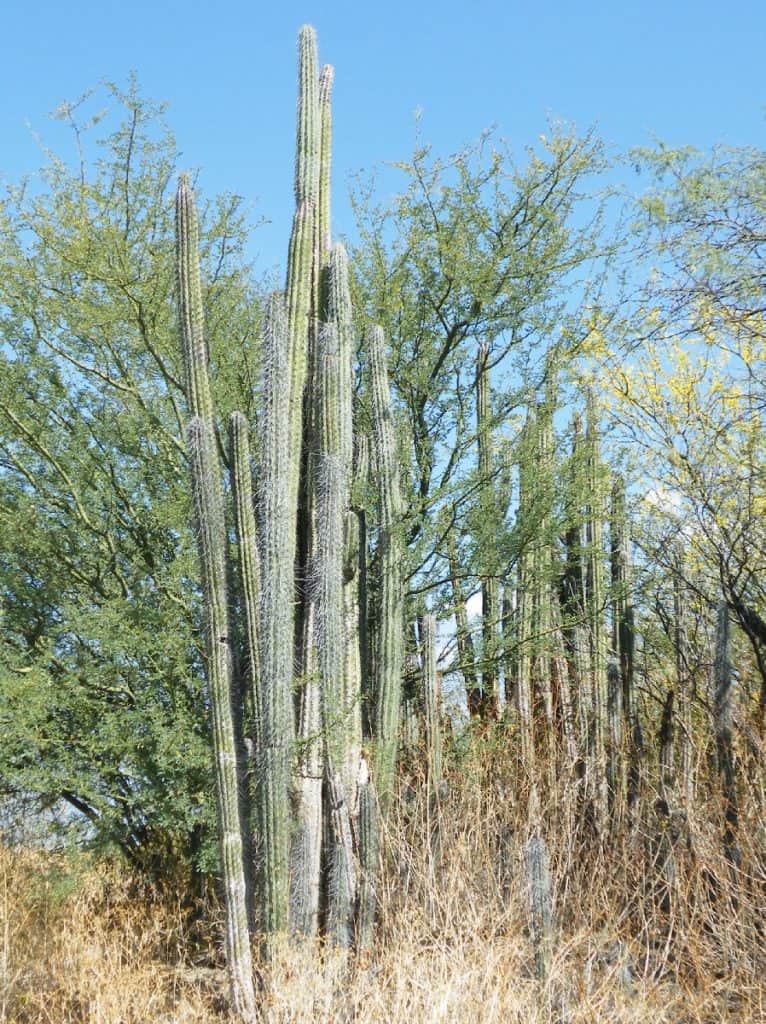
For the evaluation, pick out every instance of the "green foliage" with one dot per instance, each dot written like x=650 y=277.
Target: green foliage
x=101 y=704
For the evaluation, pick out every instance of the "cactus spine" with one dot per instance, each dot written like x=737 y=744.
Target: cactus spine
x=211 y=538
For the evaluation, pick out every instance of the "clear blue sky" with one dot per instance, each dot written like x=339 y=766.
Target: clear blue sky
x=684 y=72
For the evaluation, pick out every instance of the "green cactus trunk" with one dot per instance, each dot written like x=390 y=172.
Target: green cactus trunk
x=573 y=592
x=524 y=612
x=465 y=648
x=488 y=504
x=390 y=617
x=623 y=643
x=540 y=905
x=431 y=704
x=276 y=633
x=594 y=523
x=723 y=727
x=332 y=490
x=542 y=578
x=248 y=556
x=684 y=687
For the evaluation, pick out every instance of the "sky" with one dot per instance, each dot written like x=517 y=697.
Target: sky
x=681 y=72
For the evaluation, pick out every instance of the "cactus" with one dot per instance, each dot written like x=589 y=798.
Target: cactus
x=542 y=571
x=524 y=618
x=390 y=620
x=325 y=155
x=276 y=632
x=248 y=554
x=683 y=683
x=465 y=648
x=540 y=904
x=211 y=538
x=302 y=572
x=356 y=673
x=573 y=588
x=301 y=287
x=723 y=718
x=369 y=858
x=594 y=515
x=432 y=703
x=489 y=584
x=614 y=719
x=623 y=636
x=332 y=492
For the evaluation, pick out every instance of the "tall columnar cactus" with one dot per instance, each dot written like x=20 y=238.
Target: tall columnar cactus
x=390 y=618
x=540 y=904
x=465 y=647
x=329 y=467
x=542 y=570
x=324 y=238
x=683 y=685
x=211 y=537
x=573 y=590
x=723 y=721
x=306 y=285
x=276 y=630
x=248 y=555
x=431 y=702
x=343 y=686
x=302 y=272
x=561 y=683
x=594 y=524
x=357 y=673
x=488 y=507
x=369 y=857
x=302 y=569
x=615 y=765
x=623 y=635
x=525 y=599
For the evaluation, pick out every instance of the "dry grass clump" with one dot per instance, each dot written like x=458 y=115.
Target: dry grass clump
x=91 y=944
x=656 y=922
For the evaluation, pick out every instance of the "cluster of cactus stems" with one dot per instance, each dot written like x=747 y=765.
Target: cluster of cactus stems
x=571 y=684
x=301 y=567
x=568 y=637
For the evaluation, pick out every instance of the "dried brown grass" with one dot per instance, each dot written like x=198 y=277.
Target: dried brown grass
x=636 y=941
